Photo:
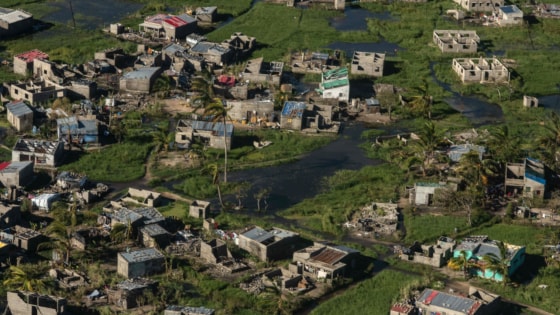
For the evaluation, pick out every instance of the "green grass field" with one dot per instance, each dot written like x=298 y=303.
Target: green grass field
x=427 y=227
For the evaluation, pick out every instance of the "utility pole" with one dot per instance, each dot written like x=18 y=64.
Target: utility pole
x=72 y=12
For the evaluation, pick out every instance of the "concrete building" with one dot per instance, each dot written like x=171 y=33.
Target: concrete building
x=240 y=44
x=128 y=292
x=27 y=239
x=30 y=303
x=434 y=255
x=335 y=85
x=44 y=154
x=14 y=22
x=206 y=14
x=268 y=245
x=144 y=197
x=77 y=130
x=368 y=64
x=17 y=174
x=214 y=54
x=323 y=261
x=481 y=70
x=530 y=101
x=169 y=26
x=423 y=193
x=187 y=310
x=214 y=251
x=478 y=246
x=23 y=63
x=315 y=62
x=258 y=71
x=456 y=41
x=509 y=15
x=153 y=235
x=198 y=208
x=19 y=115
x=140 y=81
x=527 y=179
x=37 y=93
x=292 y=114
x=139 y=263
x=437 y=302
x=251 y=111
x=480 y=5
x=209 y=133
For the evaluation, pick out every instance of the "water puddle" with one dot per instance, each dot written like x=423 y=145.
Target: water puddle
x=90 y=14
x=355 y=19
x=551 y=102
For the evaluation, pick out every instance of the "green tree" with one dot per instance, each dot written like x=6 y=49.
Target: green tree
x=21 y=279
x=204 y=91
x=218 y=110
x=429 y=138
x=550 y=141
x=214 y=170
x=498 y=264
x=162 y=139
x=60 y=239
x=423 y=101
x=162 y=86
x=121 y=232
x=461 y=262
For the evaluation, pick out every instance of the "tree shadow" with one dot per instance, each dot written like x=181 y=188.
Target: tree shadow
x=390 y=67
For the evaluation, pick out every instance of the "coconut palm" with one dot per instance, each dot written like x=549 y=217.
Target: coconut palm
x=205 y=91
x=498 y=264
x=214 y=170
x=474 y=170
x=504 y=145
x=461 y=262
x=551 y=140
x=20 y=279
x=217 y=109
x=425 y=147
x=60 y=240
x=423 y=101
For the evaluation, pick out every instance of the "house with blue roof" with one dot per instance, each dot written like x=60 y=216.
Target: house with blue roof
x=78 y=130
x=527 y=179
x=292 y=115
x=476 y=247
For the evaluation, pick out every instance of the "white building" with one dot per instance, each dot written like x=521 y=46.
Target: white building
x=335 y=84
x=509 y=15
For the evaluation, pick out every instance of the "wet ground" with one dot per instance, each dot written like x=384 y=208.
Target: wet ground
x=90 y=14
x=355 y=19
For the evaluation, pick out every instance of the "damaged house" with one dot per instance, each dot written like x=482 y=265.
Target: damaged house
x=368 y=64
x=169 y=26
x=481 y=70
x=140 y=263
x=187 y=310
x=477 y=303
x=43 y=154
x=316 y=62
x=480 y=5
x=434 y=255
x=141 y=80
x=240 y=44
x=251 y=111
x=40 y=92
x=527 y=179
x=456 y=41
x=209 y=133
x=259 y=71
x=128 y=292
x=335 y=85
x=291 y=116
x=18 y=174
x=19 y=115
x=31 y=303
x=323 y=261
x=146 y=198
x=23 y=63
x=78 y=129
x=268 y=245
x=199 y=208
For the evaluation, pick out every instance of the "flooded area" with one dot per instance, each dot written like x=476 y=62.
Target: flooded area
x=90 y=14
x=292 y=183
x=355 y=19
x=550 y=102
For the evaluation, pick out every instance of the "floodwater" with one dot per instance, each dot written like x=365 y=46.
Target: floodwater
x=292 y=183
x=355 y=19
x=90 y=14
x=476 y=110
x=382 y=46
x=550 y=102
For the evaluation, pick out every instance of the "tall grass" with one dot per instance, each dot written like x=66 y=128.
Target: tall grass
x=372 y=296
x=423 y=228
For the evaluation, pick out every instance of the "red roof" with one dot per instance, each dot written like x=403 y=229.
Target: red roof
x=402 y=308
x=226 y=80
x=175 y=21
x=431 y=297
x=3 y=165
x=32 y=55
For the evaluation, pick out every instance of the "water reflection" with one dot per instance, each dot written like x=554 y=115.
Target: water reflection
x=355 y=19
x=91 y=14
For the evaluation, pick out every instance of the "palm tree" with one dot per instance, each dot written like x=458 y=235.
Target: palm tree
x=474 y=171
x=60 y=240
x=498 y=264
x=551 y=140
x=20 y=279
x=504 y=144
x=461 y=262
x=205 y=91
x=430 y=137
x=214 y=171
x=218 y=110
x=121 y=232
x=162 y=86
x=423 y=101
x=162 y=139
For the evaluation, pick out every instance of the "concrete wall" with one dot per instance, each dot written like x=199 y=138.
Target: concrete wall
x=139 y=269
x=22 y=67
x=40 y=159
x=21 y=123
x=292 y=123
x=341 y=93
x=20 y=178
x=24 y=304
x=239 y=110
x=11 y=29
x=480 y=5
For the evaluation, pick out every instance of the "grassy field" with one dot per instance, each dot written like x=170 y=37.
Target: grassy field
x=531 y=236
x=116 y=163
x=428 y=227
x=376 y=295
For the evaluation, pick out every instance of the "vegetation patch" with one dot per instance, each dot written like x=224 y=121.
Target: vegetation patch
x=121 y=162
x=424 y=228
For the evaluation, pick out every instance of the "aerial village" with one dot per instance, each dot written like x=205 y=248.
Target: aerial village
x=168 y=172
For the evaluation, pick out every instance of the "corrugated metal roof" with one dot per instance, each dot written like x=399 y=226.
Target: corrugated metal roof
x=216 y=127
x=258 y=234
x=142 y=255
x=329 y=256
x=142 y=73
x=154 y=229
x=508 y=9
x=335 y=83
x=18 y=108
x=451 y=302
x=293 y=109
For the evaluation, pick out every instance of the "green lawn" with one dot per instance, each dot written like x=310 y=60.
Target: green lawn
x=376 y=295
x=423 y=228
x=531 y=236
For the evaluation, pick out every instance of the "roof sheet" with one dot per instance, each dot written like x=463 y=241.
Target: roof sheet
x=154 y=229
x=293 y=109
x=142 y=255
x=31 y=55
x=258 y=234
x=507 y=9
x=216 y=127
x=142 y=73
x=18 y=108
x=175 y=21
x=15 y=16
x=450 y=302
x=329 y=256
x=336 y=83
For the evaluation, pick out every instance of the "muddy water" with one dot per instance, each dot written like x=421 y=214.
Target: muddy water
x=292 y=183
x=355 y=19
x=90 y=14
